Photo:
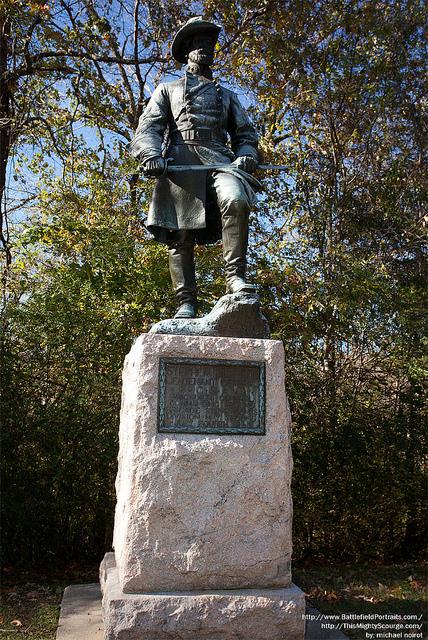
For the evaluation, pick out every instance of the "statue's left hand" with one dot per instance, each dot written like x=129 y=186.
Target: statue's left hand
x=154 y=166
x=246 y=163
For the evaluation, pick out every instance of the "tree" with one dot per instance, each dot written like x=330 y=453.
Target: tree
x=104 y=56
x=340 y=91
x=337 y=94
x=68 y=314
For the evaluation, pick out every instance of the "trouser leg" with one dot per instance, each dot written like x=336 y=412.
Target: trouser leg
x=235 y=241
x=234 y=208
x=182 y=266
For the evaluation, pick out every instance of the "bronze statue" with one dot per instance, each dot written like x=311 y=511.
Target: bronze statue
x=188 y=122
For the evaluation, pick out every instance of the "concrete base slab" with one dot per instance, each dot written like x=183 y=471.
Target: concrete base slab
x=235 y=614
x=80 y=615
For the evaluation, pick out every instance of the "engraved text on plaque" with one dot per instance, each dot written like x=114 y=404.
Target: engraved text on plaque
x=211 y=396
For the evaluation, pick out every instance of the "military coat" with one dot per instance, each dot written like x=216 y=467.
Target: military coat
x=192 y=120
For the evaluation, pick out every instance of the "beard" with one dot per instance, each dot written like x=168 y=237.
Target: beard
x=200 y=56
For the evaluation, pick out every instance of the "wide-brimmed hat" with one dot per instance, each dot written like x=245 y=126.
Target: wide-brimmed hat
x=192 y=26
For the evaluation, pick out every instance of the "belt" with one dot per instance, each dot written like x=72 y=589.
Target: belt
x=194 y=136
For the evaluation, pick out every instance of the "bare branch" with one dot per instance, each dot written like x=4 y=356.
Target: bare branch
x=21 y=204
x=31 y=61
x=249 y=17
x=47 y=69
x=49 y=128
x=33 y=25
x=120 y=61
x=137 y=66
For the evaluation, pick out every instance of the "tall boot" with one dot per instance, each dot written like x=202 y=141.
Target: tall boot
x=182 y=271
x=235 y=243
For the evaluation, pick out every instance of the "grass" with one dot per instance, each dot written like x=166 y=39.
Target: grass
x=30 y=603
x=29 y=611
x=29 y=607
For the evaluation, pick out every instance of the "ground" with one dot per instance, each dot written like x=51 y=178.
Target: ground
x=30 y=601
x=367 y=589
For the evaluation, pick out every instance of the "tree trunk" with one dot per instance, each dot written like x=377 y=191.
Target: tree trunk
x=5 y=131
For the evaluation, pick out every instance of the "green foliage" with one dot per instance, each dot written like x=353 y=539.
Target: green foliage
x=337 y=248
x=86 y=281
x=340 y=253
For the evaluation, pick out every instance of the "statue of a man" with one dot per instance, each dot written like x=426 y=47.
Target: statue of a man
x=196 y=121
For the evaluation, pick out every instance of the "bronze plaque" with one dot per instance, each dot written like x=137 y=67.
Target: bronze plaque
x=211 y=396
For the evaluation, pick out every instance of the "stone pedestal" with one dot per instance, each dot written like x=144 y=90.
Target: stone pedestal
x=202 y=533
x=238 y=614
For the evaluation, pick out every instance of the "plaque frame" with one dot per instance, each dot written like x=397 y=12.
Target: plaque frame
x=260 y=430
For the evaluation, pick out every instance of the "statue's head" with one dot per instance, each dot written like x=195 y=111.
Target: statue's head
x=201 y=48
x=195 y=42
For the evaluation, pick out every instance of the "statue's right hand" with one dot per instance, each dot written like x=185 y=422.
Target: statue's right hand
x=154 y=166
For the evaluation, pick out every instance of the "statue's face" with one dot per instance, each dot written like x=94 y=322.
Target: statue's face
x=201 y=49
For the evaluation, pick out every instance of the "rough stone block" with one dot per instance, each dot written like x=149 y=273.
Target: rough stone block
x=201 y=511
x=252 y=614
